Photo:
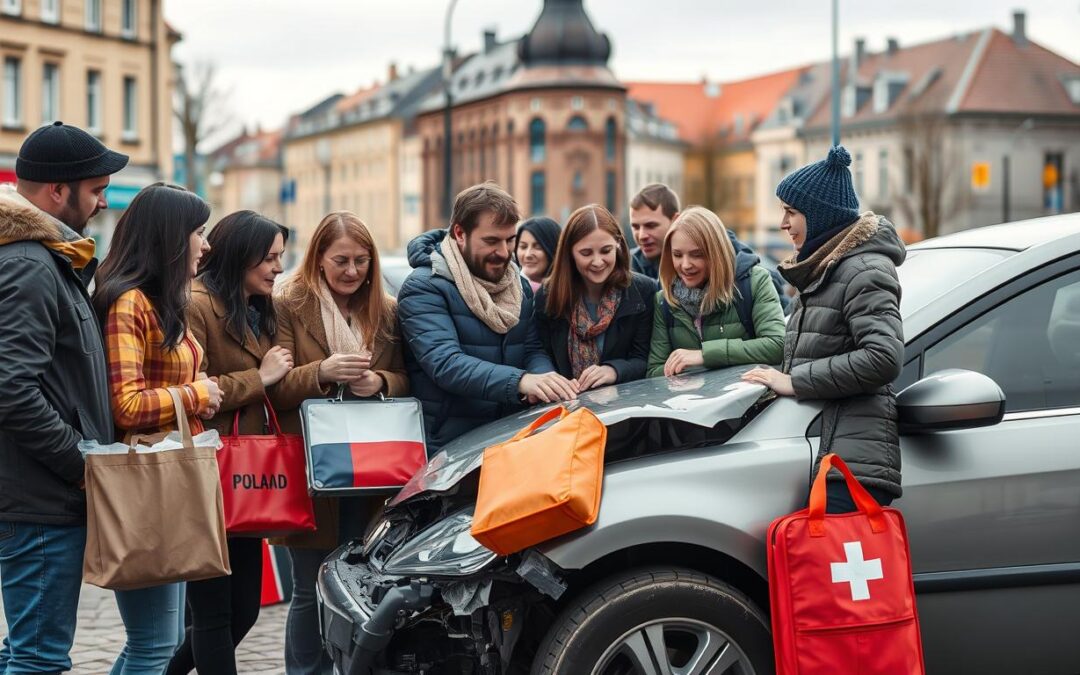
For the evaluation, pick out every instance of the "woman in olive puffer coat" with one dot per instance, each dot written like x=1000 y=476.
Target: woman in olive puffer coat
x=844 y=342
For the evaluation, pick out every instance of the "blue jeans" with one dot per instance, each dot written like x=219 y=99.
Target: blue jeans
x=304 y=653
x=41 y=574
x=154 y=620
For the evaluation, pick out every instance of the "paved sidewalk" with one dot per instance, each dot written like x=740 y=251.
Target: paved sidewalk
x=100 y=635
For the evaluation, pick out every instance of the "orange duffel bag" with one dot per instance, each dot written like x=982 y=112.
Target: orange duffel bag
x=537 y=486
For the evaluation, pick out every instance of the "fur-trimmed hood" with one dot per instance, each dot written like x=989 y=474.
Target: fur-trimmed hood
x=871 y=233
x=22 y=221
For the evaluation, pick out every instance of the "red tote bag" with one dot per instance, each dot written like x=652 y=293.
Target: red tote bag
x=264 y=482
x=840 y=588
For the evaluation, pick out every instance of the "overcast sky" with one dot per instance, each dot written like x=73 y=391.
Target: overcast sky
x=281 y=56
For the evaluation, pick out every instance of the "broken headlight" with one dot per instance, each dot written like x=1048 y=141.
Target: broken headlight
x=444 y=549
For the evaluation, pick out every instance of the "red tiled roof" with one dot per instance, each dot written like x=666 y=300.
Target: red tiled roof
x=1020 y=78
x=351 y=101
x=1001 y=77
x=699 y=116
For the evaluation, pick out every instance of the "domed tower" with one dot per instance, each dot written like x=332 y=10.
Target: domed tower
x=542 y=115
x=564 y=35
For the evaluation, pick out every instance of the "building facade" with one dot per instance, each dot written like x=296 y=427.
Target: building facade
x=350 y=153
x=654 y=153
x=542 y=116
x=103 y=65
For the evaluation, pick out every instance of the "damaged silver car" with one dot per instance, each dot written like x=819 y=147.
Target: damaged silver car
x=671 y=579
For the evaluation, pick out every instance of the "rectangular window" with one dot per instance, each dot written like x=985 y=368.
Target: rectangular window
x=609 y=191
x=13 y=7
x=1053 y=182
x=50 y=93
x=131 y=129
x=50 y=11
x=93 y=101
x=93 y=16
x=12 y=92
x=127 y=19
x=883 y=174
x=858 y=167
x=909 y=169
x=538 y=198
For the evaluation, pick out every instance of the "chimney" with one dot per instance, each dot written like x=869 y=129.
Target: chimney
x=489 y=40
x=1019 y=34
x=858 y=55
x=892 y=46
x=392 y=73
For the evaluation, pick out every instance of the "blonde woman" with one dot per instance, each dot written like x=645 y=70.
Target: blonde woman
x=341 y=328
x=715 y=308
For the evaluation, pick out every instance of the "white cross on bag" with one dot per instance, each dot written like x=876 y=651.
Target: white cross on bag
x=856 y=571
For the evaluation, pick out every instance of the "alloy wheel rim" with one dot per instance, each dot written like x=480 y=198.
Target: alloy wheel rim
x=674 y=646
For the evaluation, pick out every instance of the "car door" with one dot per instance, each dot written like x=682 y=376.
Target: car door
x=994 y=513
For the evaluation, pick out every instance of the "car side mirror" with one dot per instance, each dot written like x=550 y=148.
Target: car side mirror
x=950 y=399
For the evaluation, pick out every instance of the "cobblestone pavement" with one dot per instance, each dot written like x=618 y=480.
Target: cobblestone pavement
x=100 y=635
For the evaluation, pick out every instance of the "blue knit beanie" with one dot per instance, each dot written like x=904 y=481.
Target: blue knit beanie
x=823 y=192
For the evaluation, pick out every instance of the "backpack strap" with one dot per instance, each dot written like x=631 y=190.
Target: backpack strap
x=744 y=305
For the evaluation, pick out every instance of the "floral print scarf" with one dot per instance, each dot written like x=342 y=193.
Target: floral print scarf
x=584 y=350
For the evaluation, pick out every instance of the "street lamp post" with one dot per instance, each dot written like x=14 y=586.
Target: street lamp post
x=835 y=77
x=448 y=144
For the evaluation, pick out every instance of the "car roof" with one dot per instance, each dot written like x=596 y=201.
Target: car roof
x=1015 y=236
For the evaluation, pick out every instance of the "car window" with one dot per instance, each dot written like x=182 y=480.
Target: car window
x=928 y=274
x=1029 y=345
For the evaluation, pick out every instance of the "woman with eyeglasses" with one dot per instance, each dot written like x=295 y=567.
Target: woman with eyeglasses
x=341 y=328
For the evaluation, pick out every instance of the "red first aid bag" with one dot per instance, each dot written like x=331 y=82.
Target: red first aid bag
x=264 y=482
x=840 y=588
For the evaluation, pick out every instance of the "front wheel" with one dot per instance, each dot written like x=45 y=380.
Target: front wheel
x=658 y=621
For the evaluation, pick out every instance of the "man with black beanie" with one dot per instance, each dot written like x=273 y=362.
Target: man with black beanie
x=55 y=391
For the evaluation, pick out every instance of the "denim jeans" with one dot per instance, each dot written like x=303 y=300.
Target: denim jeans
x=304 y=653
x=154 y=620
x=41 y=574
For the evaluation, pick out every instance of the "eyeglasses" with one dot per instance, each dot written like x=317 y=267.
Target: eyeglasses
x=359 y=263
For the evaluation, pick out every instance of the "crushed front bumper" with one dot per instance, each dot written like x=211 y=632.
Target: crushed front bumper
x=354 y=631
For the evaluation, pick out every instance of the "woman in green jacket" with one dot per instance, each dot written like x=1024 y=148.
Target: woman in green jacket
x=701 y=318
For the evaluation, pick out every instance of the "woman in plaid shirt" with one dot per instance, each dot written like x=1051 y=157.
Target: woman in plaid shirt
x=143 y=287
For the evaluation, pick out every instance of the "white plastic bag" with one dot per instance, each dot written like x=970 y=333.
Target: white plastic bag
x=207 y=439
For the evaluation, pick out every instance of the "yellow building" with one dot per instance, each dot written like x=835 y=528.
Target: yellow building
x=350 y=153
x=103 y=65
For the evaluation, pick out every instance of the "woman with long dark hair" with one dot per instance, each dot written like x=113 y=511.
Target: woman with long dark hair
x=341 y=327
x=232 y=316
x=141 y=297
x=593 y=314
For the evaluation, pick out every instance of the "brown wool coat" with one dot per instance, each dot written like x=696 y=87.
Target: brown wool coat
x=301 y=331
x=233 y=359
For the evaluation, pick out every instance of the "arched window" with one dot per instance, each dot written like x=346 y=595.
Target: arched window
x=609 y=139
x=577 y=123
x=536 y=140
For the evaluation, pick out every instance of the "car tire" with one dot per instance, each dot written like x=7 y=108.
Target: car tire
x=628 y=623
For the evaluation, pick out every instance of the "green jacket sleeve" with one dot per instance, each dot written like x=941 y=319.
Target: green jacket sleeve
x=768 y=347
x=660 y=345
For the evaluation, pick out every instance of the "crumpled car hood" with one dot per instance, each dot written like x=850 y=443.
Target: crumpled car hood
x=704 y=398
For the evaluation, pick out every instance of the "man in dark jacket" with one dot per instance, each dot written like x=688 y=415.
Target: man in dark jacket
x=55 y=391
x=471 y=348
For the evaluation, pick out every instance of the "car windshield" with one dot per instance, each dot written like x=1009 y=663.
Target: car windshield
x=928 y=274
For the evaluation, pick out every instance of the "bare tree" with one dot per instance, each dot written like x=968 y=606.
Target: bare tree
x=932 y=181
x=201 y=108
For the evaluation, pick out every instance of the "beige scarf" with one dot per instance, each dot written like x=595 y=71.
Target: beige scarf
x=498 y=304
x=342 y=336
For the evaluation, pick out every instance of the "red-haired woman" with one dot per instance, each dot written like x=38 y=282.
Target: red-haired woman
x=341 y=328
x=593 y=314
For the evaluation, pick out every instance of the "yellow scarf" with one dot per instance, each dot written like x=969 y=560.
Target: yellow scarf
x=80 y=252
